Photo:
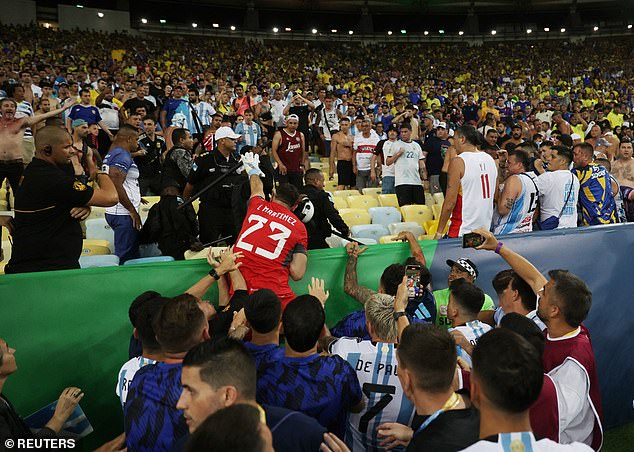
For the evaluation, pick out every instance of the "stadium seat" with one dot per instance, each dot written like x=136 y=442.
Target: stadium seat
x=369 y=231
x=362 y=202
x=431 y=227
x=6 y=250
x=149 y=260
x=426 y=237
x=191 y=255
x=330 y=186
x=345 y=193
x=339 y=202
x=353 y=217
x=384 y=215
x=144 y=209
x=364 y=240
x=414 y=228
x=149 y=250
x=196 y=204
x=97 y=242
x=436 y=209
x=2 y=265
x=429 y=199
x=387 y=239
x=388 y=200
x=4 y=205
x=417 y=213
x=99 y=260
x=314 y=159
x=97 y=228
x=90 y=249
x=439 y=198
x=97 y=212
x=372 y=191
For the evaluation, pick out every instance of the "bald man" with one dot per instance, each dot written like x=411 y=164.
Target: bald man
x=51 y=200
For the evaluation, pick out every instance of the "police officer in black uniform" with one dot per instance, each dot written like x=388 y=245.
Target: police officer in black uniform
x=318 y=228
x=148 y=159
x=51 y=200
x=215 y=214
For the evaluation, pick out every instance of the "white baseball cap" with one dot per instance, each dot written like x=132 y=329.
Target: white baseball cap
x=225 y=132
x=442 y=124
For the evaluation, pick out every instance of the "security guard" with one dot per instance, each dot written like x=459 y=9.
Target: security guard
x=49 y=204
x=324 y=211
x=214 y=213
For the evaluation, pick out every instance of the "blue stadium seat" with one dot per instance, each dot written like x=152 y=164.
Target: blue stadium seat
x=99 y=260
x=384 y=215
x=369 y=231
x=149 y=260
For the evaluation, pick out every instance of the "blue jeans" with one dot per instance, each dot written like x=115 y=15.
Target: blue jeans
x=126 y=238
x=387 y=187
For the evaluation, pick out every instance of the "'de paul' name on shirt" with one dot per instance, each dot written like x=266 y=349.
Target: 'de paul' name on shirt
x=369 y=367
x=279 y=215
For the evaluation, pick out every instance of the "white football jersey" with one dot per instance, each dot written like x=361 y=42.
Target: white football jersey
x=126 y=374
x=383 y=395
x=520 y=217
x=472 y=331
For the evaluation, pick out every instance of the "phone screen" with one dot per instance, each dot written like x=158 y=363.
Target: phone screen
x=413 y=280
x=472 y=240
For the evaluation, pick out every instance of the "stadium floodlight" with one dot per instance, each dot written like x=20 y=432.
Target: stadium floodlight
x=233 y=28
x=529 y=31
x=275 y=29
x=563 y=30
x=596 y=28
x=194 y=25
x=79 y=6
x=334 y=30
x=460 y=33
x=442 y=32
x=144 y=21
x=425 y=32
x=314 y=31
x=629 y=27
x=287 y=29
x=163 y=21
x=389 y=33
x=493 y=32
x=100 y=14
x=546 y=29
x=350 y=32
x=403 y=32
x=215 y=25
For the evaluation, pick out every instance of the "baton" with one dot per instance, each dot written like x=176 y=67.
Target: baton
x=217 y=241
x=210 y=186
x=339 y=234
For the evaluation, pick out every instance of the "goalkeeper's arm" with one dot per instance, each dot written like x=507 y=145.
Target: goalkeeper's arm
x=257 y=187
x=251 y=164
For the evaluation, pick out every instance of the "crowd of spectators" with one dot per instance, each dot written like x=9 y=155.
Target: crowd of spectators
x=129 y=116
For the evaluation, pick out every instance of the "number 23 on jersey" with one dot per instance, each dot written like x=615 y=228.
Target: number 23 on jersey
x=275 y=232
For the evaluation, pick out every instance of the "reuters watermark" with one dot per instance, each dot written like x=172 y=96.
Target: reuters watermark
x=40 y=443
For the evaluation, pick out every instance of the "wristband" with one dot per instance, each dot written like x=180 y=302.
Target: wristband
x=398 y=315
x=214 y=274
x=499 y=247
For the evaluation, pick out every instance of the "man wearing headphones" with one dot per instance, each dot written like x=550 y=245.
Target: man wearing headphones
x=51 y=200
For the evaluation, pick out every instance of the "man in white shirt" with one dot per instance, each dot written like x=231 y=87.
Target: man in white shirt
x=278 y=104
x=362 y=152
x=409 y=169
x=504 y=403
x=386 y=149
x=558 y=191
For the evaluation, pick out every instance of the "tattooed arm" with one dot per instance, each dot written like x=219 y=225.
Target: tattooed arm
x=350 y=282
x=512 y=190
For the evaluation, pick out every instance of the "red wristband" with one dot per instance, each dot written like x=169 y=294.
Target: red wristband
x=499 y=247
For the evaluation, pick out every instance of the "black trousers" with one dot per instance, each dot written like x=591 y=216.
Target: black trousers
x=293 y=178
x=214 y=223
x=13 y=172
x=410 y=194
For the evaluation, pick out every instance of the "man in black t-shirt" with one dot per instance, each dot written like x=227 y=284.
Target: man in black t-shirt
x=50 y=201
x=301 y=107
x=151 y=147
x=131 y=105
x=446 y=421
x=436 y=147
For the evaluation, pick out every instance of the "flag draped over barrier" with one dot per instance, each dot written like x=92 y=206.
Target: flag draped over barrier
x=71 y=328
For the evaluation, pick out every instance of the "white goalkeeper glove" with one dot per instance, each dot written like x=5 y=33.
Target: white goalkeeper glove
x=251 y=163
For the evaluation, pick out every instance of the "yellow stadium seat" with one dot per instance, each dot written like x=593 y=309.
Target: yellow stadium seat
x=345 y=193
x=353 y=217
x=439 y=198
x=362 y=202
x=325 y=160
x=6 y=250
x=436 y=210
x=426 y=237
x=320 y=166
x=196 y=204
x=388 y=200
x=340 y=202
x=429 y=199
x=387 y=239
x=4 y=205
x=417 y=213
x=2 y=265
x=5 y=234
x=372 y=191
x=431 y=227
x=93 y=250
x=330 y=185
x=97 y=242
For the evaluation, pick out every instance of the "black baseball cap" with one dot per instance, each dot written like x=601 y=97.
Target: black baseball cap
x=466 y=265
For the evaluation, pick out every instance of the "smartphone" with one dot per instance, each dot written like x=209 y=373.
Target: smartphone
x=412 y=272
x=472 y=240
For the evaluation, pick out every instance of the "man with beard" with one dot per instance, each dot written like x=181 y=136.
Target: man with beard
x=516 y=136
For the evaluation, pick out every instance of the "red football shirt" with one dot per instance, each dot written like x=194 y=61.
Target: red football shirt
x=270 y=236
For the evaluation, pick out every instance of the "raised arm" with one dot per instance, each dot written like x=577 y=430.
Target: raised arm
x=227 y=264
x=29 y=122
x=350 y=281
x=521 y=265
x=456 y=170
